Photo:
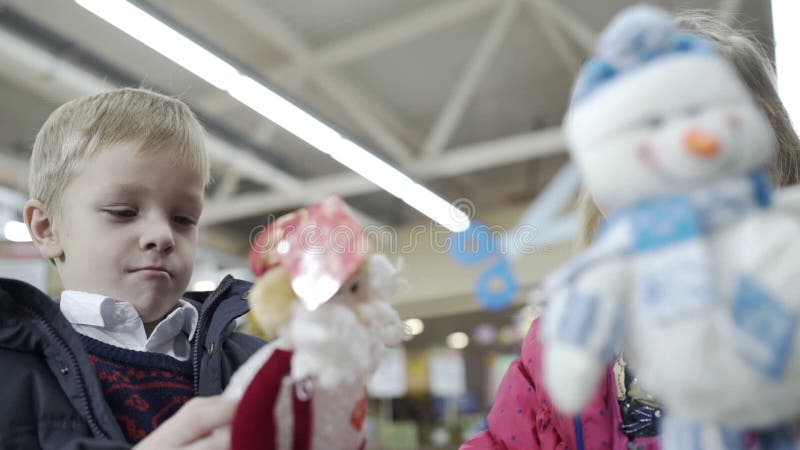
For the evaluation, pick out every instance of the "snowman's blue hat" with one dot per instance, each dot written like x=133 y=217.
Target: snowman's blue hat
x=636 y=36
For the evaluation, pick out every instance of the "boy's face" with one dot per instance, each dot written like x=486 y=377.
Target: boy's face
x=128 y=228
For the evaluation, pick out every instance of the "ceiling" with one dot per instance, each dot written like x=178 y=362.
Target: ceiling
x=464 y=95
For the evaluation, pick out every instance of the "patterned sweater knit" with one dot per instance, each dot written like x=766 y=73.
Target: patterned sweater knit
x=143 y=389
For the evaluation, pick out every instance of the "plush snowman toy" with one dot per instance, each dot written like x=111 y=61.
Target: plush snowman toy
x=696 y=275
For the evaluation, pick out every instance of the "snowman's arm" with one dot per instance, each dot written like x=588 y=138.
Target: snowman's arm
x=768 y=245
x=581 y=332
x=787 y=199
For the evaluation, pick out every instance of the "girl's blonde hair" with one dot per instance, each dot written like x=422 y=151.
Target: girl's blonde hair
x=755 y=68
x=80 y=129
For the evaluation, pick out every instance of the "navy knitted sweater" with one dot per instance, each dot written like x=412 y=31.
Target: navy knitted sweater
x=143 y=389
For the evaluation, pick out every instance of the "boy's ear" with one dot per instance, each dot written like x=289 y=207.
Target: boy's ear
x=40 y=226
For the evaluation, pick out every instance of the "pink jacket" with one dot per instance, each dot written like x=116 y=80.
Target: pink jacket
x=523 y=417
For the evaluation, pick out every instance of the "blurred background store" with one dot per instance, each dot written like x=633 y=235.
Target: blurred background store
x=464 y=97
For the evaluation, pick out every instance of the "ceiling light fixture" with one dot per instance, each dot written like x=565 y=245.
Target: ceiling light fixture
x=784 y=14
x=457 y=340
x=204 y=285
x=149 y=30
x=16 y=231
x=414 y=326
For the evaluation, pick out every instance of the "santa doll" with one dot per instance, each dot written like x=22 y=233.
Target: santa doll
x=325 y=300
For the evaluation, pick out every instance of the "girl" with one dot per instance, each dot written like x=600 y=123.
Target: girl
x=621 y=416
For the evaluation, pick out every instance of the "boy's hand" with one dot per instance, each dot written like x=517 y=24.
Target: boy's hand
x=201 y=424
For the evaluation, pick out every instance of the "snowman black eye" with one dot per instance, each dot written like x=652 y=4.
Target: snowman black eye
x=693 y=111
x=654 y=121
x=354 y=288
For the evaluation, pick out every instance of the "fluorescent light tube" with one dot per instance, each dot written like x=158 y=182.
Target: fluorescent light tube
x=160 y=37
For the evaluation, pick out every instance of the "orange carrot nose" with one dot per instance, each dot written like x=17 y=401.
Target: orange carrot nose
x=701 y=143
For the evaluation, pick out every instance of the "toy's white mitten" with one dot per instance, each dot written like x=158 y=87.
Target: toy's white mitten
x=581 y=332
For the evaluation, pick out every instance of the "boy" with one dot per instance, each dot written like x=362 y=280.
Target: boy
x=116 y=188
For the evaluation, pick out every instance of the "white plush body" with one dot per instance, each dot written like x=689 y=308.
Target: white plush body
x=711 y=382
x=690 y=364
x=675 y=124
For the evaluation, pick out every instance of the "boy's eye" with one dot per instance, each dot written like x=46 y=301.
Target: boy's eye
x=124 y=213
x=185 y=221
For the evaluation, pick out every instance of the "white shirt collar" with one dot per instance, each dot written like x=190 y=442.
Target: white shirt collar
x=118 y=323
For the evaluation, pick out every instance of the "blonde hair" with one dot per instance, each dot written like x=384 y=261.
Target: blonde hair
x=755 y=69
x=80 y=129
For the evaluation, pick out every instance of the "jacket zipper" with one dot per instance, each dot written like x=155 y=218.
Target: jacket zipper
x=73 y=365
x=200 y=335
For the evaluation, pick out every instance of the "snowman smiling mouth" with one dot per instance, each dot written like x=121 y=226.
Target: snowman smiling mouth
x=647 y=155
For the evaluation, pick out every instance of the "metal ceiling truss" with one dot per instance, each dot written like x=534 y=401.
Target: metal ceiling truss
x=43 y=72
x=318 y=65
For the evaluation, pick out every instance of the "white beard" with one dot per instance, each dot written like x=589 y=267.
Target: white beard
x=333 y=346
x=340 y=342
x=330 y=344
x=383 y=284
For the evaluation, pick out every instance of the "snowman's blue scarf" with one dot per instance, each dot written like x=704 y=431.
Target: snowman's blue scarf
x=672 y=273
x=671 y=220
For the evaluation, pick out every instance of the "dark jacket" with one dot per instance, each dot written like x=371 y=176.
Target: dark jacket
x=49 y=395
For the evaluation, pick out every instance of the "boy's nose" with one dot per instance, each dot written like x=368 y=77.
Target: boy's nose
x=158 y=237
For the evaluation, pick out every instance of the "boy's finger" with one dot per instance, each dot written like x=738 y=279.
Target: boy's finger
x=220 y=439
x=199 y=417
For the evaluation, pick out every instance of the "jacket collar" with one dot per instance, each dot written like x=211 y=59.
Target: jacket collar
x=219 y=308
x=19 y=300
